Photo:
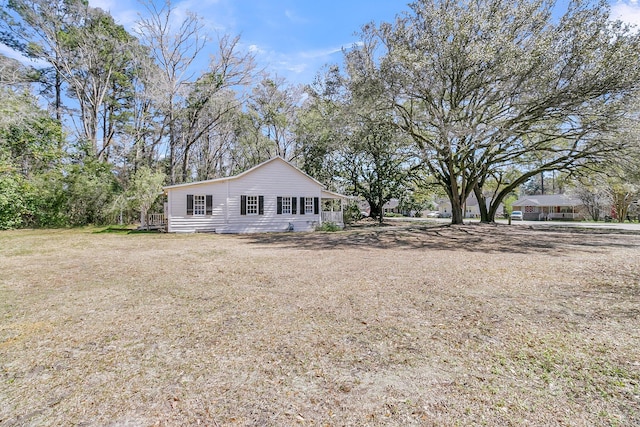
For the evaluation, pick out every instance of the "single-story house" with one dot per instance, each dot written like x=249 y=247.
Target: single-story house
x=471 y=208
x=549 y=207
x=272 y=196
x=392 y=206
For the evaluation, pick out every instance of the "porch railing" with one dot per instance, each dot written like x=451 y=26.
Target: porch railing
x=156 y=220
x=335 y=217
x=560 y=215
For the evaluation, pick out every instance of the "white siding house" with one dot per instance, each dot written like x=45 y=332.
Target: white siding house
x=470 y=209
x=273 y=196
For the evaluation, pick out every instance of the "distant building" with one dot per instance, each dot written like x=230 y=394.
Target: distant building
x=550 y=207
x=392 y=206
x=471 y=208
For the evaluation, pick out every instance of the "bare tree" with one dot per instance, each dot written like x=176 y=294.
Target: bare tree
x=174 y=48
x=215 y=95
x=273 y=108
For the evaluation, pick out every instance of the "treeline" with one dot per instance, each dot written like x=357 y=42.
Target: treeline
x=457 y=97
x=126 y=110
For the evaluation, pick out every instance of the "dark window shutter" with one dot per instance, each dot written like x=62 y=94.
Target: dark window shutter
x=293 y=205
x=243 y=205
x=279 y=205
x=302 y=206
x=189 y=204
x=316 y=206
x=209 y=204
x=260 y=205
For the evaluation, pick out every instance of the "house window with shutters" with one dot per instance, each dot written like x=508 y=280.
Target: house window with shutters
x=308 y=205
x=286 y=205
x=251 y=205
x=199 y=204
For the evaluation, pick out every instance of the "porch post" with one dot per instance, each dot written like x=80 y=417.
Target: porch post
x=320 y=207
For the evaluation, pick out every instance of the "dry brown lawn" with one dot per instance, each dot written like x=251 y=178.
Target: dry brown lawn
x=404 y=325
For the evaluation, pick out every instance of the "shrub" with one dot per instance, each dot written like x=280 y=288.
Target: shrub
x=328 y=226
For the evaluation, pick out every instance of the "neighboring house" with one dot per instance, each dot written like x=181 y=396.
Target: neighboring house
x=471 y=208
x=392 y=206
x=273 y=196
x=549 y=207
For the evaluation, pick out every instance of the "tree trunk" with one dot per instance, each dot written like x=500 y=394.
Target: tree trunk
x=456 y=210
x=493 y=210
x=58 y=90
x=375 y=210
x=172 y=146
x=456 y=199
x=185 y=164
x=485 y=215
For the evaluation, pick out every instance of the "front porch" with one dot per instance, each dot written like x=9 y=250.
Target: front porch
x=336 y=217
x=332 y=208
x=552 y=213
x=155 y=221
x=560 y=216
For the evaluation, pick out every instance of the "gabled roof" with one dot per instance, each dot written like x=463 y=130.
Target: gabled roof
x=240 y=175
x=392 y=204
x=548 y=200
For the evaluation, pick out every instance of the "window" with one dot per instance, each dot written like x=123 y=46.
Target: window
x=308 y=205
x=251 y=205
x=199 y=204
x=287 y=205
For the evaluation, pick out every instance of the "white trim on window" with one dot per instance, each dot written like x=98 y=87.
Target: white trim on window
x=308 y=205
x=252 y=205
x=199 y=205
x=286 y=205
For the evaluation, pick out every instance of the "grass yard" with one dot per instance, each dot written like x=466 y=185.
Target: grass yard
x=403 y=325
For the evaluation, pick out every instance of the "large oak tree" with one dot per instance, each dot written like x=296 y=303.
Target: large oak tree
x=486 y=86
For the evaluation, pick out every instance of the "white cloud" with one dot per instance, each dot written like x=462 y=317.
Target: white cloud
x=102 y=4
x=291 y=67
x=293 y=17
x=627 y=11
x=320 y=53
x=299 y=66
x=123 y=12
x=326 y=53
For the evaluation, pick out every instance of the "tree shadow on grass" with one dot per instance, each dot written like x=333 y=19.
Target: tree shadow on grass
x=490 y=238
x=124 y=230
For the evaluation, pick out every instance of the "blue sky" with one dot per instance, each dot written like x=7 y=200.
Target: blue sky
x=295 y=38
x=290 y=38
